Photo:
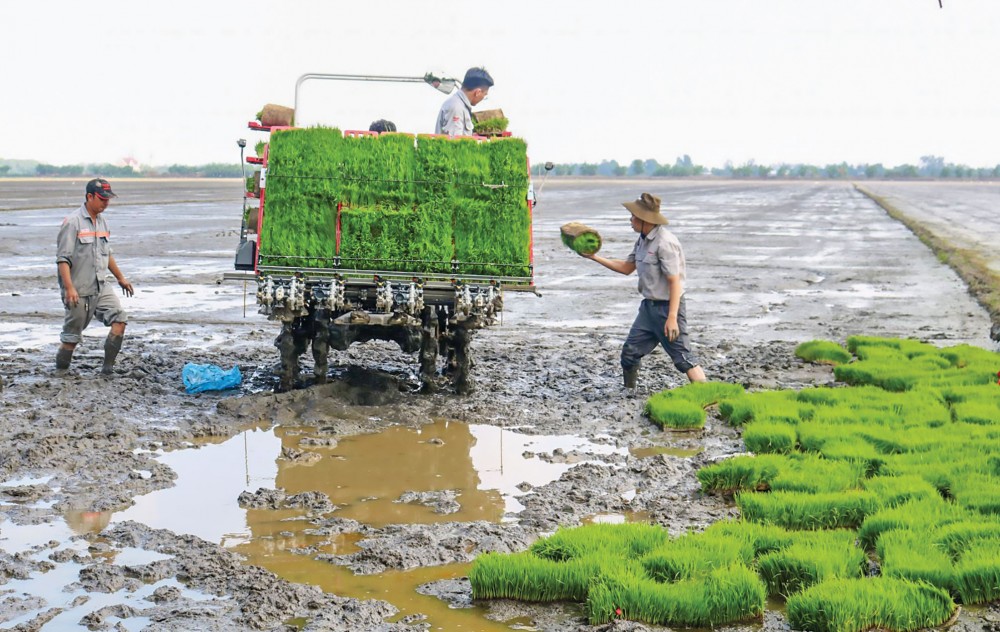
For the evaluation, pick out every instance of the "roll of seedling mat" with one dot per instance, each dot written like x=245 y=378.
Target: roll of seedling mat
x=581 y=238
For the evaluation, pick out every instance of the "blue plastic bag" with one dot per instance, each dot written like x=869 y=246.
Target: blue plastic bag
x=208 y=377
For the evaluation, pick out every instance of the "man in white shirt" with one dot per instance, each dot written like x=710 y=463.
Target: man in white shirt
x=455 y=117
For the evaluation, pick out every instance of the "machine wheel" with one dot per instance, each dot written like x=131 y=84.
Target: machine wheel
x=461 y=377
x=428 y=350
x=291 y=343
x=321 y=345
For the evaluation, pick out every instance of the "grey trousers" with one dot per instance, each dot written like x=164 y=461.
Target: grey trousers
x=105 y=307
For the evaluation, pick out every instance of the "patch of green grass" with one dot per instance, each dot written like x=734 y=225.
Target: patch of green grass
x=762 y=538
x=919 y=515
x=728 y=595
x=740 y=410
x=770 y=438
x=630 y=540
x=823 y=351
x=803 y=510
x=912 y=555
x=977 y=572
x=695 y=555
x=895 y=490
x=913 y=475
x=814 y=556
x=796 y=472
x=855 y=605
x=684 y=407
x=527 y=577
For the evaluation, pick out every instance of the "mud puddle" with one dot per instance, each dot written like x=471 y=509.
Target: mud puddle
x=289 y=479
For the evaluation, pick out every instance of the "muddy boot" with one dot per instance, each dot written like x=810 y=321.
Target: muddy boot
x=631 y=377
x=111 y=348
x=63 y=357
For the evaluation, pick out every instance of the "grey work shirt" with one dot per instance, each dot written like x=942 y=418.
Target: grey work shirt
x=657 y=256
x=455 y=117
x=86 y=246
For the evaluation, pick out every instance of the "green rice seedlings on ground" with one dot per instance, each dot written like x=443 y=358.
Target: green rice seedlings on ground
x=979 y=492
x=977 y=572
x=918 y=515
x=696 y=555
x=684 y=407
x=774 y=405
x=823 y=351
x=914 y=475
x=957 y=538
x=770 y=438
x=802 y=510
x=727 y=595
x=762 y=538
x=631 y=540
x=814 y=556
x=856 y=605
x=912 y=555
x=796 y=472
x=979 y=412
x=896 y=490
x=527 y=577
x=815 y=474
x=741 y=473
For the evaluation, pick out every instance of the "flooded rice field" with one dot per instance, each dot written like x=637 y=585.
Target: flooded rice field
x=126 y=504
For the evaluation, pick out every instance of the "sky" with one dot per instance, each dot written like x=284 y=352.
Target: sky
x=813 y=81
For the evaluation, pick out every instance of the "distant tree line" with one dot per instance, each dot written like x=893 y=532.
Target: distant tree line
x=210 y=170
x=929 y=167
x=682 y=167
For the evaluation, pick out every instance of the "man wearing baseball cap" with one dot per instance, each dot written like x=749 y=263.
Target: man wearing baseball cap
x=83 y=260
x=659 y=260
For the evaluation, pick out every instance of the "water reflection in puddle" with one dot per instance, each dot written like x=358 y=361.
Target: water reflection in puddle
x=478 y=466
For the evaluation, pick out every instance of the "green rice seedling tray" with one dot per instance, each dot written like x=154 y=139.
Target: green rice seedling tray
x=392 y=202
x=855 y=605
x=580 y=238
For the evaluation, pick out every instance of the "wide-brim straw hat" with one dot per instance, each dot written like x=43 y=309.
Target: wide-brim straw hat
x=647 y=208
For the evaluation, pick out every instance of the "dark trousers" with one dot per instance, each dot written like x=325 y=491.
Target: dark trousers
x=647 y=332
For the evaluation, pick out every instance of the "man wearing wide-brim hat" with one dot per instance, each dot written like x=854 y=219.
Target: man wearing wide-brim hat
x=662 y=318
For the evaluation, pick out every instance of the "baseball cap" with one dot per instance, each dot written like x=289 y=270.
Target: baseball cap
x=101 y=188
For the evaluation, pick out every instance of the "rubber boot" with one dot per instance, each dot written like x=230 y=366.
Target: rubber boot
x=111 y=348
x=63 y=357
x=631 y=377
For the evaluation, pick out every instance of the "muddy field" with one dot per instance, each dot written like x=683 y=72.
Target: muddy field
x=128 y=504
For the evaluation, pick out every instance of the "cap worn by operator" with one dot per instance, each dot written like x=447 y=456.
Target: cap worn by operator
x=101 y=188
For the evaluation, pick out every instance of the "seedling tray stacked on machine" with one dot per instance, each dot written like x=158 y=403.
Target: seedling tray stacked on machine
x=360 y=203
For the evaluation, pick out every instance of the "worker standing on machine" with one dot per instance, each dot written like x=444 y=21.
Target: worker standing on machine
x=455 y=117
